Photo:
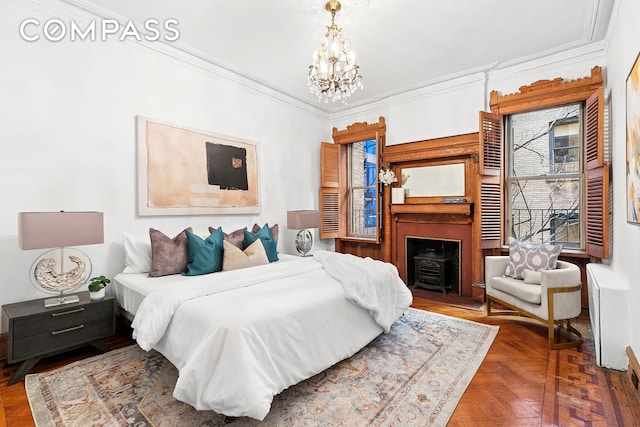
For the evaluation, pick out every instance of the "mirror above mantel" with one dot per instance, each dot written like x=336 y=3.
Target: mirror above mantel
x=447 y=180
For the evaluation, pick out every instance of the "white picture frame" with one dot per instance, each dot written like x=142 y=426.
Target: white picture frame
x=186 y=171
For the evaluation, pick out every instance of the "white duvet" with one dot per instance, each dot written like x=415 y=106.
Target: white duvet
x=239 y=338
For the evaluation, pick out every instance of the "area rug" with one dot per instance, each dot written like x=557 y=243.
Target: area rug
x=412 y=376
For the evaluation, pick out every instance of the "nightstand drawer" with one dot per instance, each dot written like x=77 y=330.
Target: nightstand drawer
x=62 y=318
x=36 y=345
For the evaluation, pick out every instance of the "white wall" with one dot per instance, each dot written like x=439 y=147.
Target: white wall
x=623 y=48
x=68 y=137
x=444 y=109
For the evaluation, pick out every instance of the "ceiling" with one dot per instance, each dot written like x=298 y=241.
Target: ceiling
x=400 y=45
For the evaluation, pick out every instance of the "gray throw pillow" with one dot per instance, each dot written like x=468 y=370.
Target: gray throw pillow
x=536 y=258
x=236 y=238
x=168 y=256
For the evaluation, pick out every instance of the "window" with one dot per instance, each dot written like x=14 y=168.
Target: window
x=577 y=191
x=564 y=145
x=545 y=180
x=349 y=192
x=363 y=189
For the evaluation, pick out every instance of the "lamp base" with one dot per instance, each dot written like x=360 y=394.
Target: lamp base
x=304 y=241
x=61 y=300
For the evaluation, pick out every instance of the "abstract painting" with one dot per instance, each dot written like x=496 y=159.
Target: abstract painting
x=633 y=143
x=184 y=171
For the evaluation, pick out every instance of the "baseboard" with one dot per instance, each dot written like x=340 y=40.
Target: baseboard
x=634 y=370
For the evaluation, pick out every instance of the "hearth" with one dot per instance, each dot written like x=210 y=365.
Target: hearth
x=433 y=264
x=430 y=270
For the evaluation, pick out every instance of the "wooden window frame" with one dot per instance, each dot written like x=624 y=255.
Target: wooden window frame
x=334 y=214
x=551 y=176
x=549 y=93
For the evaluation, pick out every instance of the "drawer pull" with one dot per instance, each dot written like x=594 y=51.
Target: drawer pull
x=62 y=331
x=62 y=313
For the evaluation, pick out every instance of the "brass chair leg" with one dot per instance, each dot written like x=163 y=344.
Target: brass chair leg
x=553 y=345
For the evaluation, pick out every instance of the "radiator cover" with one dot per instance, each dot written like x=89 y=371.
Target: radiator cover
x=609 y=315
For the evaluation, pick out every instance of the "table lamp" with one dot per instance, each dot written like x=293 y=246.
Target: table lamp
x=51 y=272
x=303 y=220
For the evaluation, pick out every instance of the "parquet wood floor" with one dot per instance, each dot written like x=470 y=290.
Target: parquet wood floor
x=520 y=383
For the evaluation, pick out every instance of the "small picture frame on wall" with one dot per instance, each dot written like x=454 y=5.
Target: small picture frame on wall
x=633 y=142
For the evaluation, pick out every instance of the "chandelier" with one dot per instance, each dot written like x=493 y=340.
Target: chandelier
x=334 y=74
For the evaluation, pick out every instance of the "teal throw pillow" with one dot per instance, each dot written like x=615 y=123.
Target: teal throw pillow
x=205 y=255
x=267 y=239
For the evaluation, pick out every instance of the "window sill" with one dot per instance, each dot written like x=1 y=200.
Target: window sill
x=567 y=253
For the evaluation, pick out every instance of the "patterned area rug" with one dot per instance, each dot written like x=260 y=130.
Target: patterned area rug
x=412 y=376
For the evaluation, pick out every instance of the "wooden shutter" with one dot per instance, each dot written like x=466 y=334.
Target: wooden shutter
x=597 y=178
x=598 y=212
x=329 y=164
x=329 y=192
x=490 y=215
x=491 y=142
x=594 y=130
x=490 y=188
x=329 y=213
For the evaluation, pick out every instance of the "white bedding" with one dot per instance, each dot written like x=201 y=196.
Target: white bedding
x=239 y=338
x=131 y=288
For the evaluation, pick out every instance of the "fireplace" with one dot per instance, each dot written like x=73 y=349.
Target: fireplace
x=433 y=264
x=451 y=241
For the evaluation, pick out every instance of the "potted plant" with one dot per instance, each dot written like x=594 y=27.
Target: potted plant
x=96 y=287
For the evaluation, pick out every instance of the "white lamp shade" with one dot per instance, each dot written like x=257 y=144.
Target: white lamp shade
x=299 y=220
x=42 y=230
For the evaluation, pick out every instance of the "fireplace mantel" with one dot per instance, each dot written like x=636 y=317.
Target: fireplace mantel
x=409 y=226
x=431 y=217
x=433 y=208
x=425 y=214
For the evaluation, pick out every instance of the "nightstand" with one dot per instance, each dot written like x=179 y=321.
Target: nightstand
x=32 y=331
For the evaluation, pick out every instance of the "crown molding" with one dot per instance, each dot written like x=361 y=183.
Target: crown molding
x=593 y=51
x=612 y=23
x=82 y=11
x=565 y=54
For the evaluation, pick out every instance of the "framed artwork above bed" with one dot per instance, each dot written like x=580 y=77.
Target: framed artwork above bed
x=183 y=171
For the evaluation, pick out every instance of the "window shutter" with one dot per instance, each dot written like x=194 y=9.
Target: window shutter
x=329 y=213
x=490 y=215
x=329 y=164
x=594 y=130
x=597 y=177
x=329 y=194
x=598 y=212
x=491 y=143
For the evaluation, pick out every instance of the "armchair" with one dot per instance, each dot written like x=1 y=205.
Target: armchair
x=555 y=300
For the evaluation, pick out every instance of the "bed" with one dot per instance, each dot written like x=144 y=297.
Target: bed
x=238 y=338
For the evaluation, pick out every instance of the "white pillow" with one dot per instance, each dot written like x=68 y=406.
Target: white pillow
x=235 y=258
x=137 y=254
x=532 y=277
